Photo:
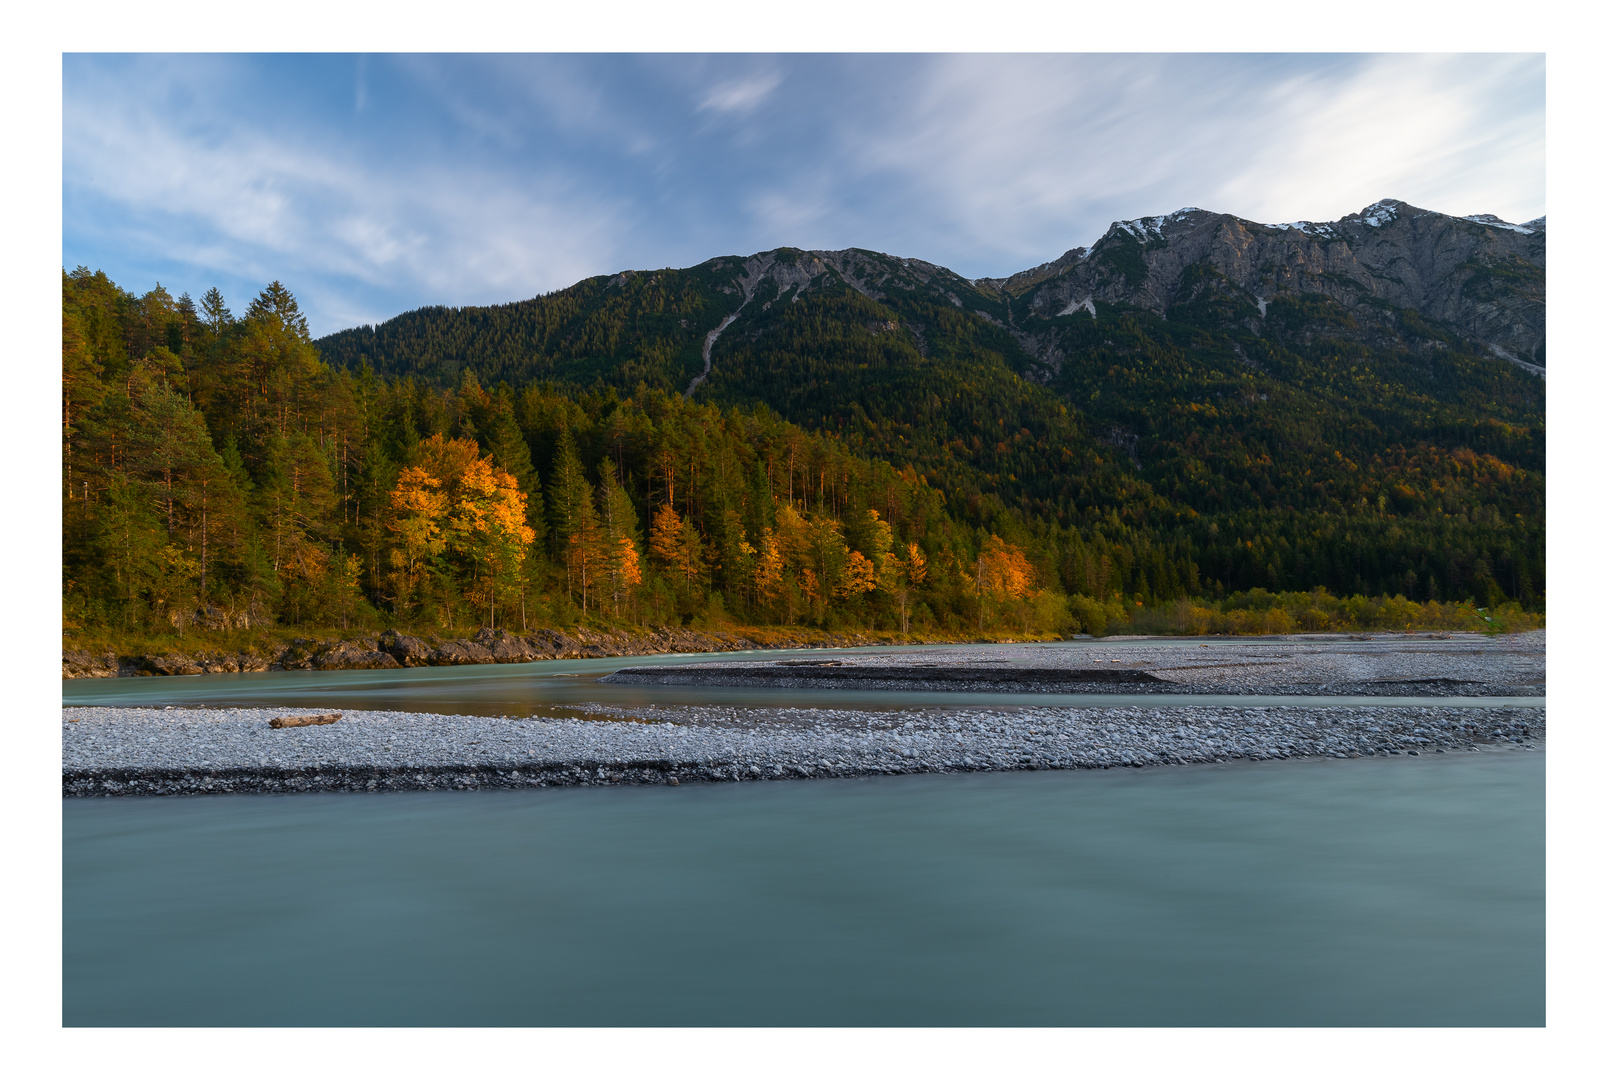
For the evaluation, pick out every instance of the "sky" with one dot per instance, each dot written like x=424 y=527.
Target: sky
x=371 y=185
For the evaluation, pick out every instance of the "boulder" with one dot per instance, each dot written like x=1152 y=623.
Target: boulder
x=409 y=651
x=353 y=655
x=169 y=664
x=463 y=652
x=298 y=655
x=217 y=663
x=508 y=648
x=79 y=664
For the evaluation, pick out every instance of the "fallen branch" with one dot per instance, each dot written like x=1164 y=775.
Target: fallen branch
x=304 y=721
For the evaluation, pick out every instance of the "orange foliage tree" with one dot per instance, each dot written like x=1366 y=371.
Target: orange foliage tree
x=1003 y=575
x=459 y=523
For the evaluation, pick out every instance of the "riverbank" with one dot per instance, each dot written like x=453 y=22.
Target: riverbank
x=393 y=649
x=397 y=650
x=120 y=751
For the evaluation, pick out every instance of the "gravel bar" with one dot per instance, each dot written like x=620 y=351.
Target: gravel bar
x=130 y=751
x=1394 y=665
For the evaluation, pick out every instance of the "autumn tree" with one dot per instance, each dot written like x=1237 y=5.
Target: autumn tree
x=1003 y=574
x=677 y=546
x=418 y=512
x=901 y=575
x=487 y=526
x=621 y=560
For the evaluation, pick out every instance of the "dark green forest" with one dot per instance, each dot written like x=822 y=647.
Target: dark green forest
x=902 y=464
x=1378 y=456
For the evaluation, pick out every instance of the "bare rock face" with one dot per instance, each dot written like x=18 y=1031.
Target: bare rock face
x=1484 y=277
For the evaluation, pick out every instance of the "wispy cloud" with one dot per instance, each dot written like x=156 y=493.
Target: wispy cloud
x=1462 y=134
x=1017 y=156
x=740 y=95
x=253 y=202
x=384 y=183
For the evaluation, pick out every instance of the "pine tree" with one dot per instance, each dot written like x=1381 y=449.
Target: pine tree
x=567 y=491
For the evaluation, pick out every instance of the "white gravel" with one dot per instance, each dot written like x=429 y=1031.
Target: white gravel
x=1400 y=665
x=147 y=751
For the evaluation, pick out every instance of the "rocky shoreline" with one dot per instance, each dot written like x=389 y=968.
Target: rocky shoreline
x=396 y=650
x=133 y=752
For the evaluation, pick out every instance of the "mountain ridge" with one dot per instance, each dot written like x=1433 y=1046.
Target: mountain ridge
x=1476 y=274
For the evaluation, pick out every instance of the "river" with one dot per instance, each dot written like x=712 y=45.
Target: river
x=1380 y=891
x=546 y=686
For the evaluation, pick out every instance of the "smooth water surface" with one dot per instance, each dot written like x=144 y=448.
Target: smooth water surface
x=546 y=686
x=1400 y=891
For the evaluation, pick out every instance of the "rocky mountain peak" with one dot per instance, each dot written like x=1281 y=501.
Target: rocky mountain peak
x=1478 y=274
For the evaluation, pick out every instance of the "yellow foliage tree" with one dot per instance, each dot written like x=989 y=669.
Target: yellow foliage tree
x=451 y=500
x=859 y=576
x=488 y=527
x=768 y=567
x=418 y=506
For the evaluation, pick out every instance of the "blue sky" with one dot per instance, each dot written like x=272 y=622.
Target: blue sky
x=374 y=184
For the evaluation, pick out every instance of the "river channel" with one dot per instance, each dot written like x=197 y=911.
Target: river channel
x=547 y=686
x=1388 y=891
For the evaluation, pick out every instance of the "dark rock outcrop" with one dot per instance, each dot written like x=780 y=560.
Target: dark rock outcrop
x=79 y=664
x=347 y=655
x=463 y=652
x=407 y=651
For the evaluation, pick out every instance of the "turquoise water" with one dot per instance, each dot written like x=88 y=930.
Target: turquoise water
x=547 y=686
x=1399 y=891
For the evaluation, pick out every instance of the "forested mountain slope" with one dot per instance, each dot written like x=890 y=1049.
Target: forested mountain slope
x=1357 y=404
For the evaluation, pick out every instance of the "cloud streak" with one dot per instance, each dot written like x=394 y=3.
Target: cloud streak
x=374 y=184
x=246 y=202
x=742 y=95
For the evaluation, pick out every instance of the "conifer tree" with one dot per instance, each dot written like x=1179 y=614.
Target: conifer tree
x=622 y=564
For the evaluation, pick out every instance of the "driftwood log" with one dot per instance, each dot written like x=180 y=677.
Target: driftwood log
x=304 y=721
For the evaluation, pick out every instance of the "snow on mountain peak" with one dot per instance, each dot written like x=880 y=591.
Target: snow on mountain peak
x=1310 y=228
x=1151 y=227
x=1381 y=213
x=1497 y=223
x=1143 y=228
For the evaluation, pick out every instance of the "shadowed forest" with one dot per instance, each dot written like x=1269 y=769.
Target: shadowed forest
x=218 y=476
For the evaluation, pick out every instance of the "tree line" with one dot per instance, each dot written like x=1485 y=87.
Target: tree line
x=217 y=471
x=1192 y=453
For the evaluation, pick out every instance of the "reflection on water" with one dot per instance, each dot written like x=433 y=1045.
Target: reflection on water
x=536 y=688
x=1405 y=891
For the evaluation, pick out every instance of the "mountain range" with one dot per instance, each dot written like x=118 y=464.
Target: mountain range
x=1479 y=277
x=1374 y=384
